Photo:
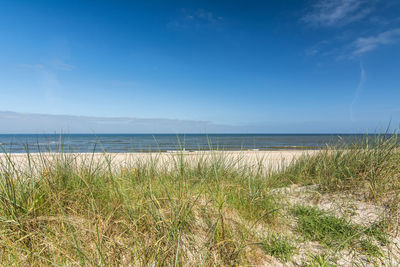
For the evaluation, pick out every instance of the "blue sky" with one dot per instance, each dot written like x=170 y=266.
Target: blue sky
x=274 y=66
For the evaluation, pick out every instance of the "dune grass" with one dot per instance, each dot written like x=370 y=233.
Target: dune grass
x=93 y=213
x=61 y=210
x=372 y=166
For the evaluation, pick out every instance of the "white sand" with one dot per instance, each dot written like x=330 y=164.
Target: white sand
x=268 y=159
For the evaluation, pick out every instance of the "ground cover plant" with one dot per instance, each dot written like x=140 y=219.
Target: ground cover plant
x=336 y=233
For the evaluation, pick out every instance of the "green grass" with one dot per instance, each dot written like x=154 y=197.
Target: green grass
x=89 y=213
x=373 y=164
x=58 y=210
x=278 y=246
x=370 y=169
x=320 y=260
x=336 y=233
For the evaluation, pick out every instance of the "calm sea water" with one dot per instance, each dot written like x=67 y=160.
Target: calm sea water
x=19 y=143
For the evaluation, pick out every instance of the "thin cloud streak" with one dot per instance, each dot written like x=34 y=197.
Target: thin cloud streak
x=350 y=43
x=358 y=90
x=35 y=67
x=199 y=18
x=355 y=47
x=61 y=65
x=337 y=12
x=366 y=44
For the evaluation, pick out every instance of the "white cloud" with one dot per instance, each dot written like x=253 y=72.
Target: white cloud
x=337 y=12
x=351 y=47
x=366 y=44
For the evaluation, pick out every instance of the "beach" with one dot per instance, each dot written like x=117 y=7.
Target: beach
x=248 y=207
x=267 y=160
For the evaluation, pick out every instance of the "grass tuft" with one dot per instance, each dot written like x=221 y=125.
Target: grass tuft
x=278 y=246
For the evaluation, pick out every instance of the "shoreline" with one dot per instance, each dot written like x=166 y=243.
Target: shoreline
x=169 y=152
x=283 y=149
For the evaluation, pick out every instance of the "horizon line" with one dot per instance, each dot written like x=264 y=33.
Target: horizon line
x=217 y=133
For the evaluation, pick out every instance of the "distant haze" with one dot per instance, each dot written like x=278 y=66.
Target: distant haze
x=14 y=122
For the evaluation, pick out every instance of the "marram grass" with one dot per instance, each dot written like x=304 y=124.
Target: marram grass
x=70 y=213
x=60 y=211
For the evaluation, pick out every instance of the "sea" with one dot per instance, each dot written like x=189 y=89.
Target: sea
x=79 y=143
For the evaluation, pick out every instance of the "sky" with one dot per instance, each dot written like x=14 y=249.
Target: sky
x=259 y=66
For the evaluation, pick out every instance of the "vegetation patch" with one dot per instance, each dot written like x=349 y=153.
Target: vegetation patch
x=278 y=246
x=336 y=233
x=320 y=260
x=372 y=166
